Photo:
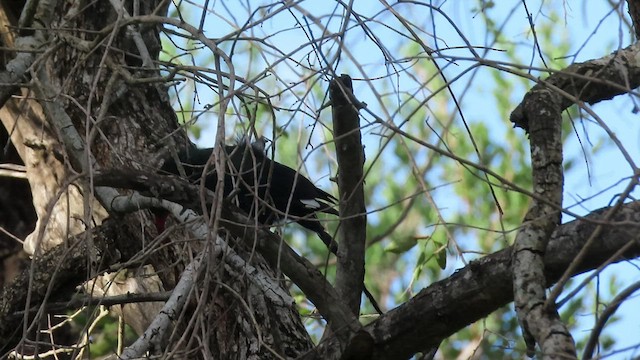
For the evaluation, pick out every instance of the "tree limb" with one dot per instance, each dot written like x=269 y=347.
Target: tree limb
x=156 y=332
x=353 y=215
x=634 y=12
x=276 y=252
x=591 y=82
x=541 y=324
x=473 y=292
x=61 y=268
x=432 y=315
x=539 y=113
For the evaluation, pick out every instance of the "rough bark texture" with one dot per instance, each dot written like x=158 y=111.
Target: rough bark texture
x=94 y=63
x=56 y=274
x=634 y=12
x=57 y=204
x=88 y=75
x=439 y=310
x=485 y=285
x=541 y=324
x=353 y=225
x=590 y=82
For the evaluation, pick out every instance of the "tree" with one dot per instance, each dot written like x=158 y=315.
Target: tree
x=95 y=96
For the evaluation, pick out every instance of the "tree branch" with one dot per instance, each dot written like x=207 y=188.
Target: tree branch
x=275 y=251
x=540 y=112
x=539 y=323
x=353 y=214
x=432 y=315
x=156 y=332
x=634 y=12
x=591 y=82
x=475 y=291
x=60 y=268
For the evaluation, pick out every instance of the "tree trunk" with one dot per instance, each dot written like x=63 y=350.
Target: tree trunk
x=86 y=72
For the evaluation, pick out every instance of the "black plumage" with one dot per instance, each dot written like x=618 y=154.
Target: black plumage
x=282 y=192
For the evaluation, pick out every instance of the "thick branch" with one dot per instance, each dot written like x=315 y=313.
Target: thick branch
x=485 y=285
x=539 y=112
x=353 y=218
x=275 y=251
x=591 y=82
x=156 y=332
x=436 y=312
x=63 y=267
x=634 y=12
x=539 y=324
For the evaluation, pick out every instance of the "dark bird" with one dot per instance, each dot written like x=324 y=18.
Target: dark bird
x=272 y=190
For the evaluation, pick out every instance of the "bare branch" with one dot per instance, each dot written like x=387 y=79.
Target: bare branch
x=539 y=323
x=278 y=253
x=591 y=82
x=353 y=223
x=485 y=285
x=155 y=334
x=58 y=269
